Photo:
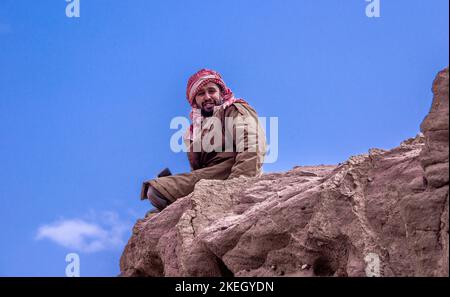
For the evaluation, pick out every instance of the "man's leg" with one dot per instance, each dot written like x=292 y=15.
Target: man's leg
x=156 y=198
x=180 y=185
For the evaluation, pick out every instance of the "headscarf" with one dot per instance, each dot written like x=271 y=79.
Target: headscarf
x=195 y=83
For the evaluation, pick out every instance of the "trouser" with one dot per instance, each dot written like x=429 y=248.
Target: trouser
x=179 y=185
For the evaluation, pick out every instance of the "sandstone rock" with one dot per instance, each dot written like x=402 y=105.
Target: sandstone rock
x=382 y=213
x=434 y=157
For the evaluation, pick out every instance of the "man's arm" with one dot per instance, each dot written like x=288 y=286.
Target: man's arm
x=193 y=158
x=249 y=140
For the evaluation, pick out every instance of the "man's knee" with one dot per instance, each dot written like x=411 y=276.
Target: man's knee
x=157 y=199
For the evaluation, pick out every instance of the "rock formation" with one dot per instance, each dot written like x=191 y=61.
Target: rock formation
x=384 y=213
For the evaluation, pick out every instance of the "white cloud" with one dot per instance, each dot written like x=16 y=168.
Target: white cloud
x=94 y=234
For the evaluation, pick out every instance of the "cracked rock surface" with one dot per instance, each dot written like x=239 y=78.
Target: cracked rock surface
x=384 y=213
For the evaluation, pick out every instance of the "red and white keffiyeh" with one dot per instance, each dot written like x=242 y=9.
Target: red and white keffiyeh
x=195 y=83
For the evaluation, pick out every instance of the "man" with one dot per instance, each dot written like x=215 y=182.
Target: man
x=224 y=141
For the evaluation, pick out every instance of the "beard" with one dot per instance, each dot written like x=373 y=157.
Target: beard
x=209 y=112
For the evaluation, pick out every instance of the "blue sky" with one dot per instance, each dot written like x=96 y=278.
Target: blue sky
x=86 y=103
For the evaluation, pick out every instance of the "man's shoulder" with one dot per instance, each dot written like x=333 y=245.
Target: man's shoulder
x=240 y=108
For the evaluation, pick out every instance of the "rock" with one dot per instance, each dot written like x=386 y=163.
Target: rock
x=384 y=213
x=434 y=157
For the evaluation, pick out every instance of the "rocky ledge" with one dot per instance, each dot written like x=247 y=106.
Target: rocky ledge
x=384 y=213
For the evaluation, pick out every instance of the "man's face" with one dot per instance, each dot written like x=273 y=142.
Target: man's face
x=208 y=97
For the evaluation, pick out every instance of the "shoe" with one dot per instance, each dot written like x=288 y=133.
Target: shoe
x=165 y=172
x=151 y=212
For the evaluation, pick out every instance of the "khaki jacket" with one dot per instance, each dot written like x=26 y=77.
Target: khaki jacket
x=248 y=157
